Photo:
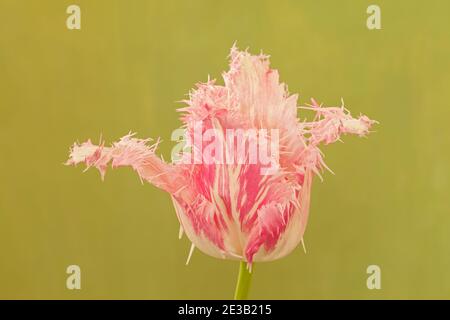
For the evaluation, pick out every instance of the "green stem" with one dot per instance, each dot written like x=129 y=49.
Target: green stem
x=243 y=282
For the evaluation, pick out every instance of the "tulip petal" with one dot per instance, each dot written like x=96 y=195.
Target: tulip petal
x=129 y=151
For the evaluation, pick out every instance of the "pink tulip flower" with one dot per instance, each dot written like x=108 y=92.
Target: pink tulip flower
x=232 y=210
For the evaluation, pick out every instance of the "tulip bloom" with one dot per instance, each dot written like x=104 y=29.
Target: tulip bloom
x=231 y=209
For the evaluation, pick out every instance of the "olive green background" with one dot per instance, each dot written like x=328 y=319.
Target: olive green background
x=126 y=68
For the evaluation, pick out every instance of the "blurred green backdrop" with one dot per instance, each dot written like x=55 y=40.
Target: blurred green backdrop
x=126 y=68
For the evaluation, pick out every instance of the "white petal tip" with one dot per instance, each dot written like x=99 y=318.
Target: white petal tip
x=303 y=245
x=180 y=233
x=190 y=254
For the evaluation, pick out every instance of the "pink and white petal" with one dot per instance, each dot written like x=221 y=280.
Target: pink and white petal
x=280 y=227
x=202 y=240
x=133 y=152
